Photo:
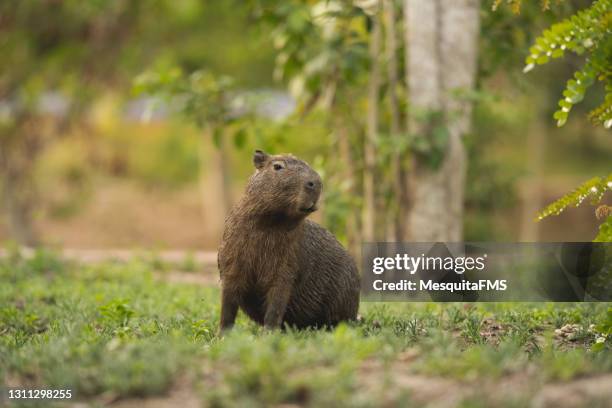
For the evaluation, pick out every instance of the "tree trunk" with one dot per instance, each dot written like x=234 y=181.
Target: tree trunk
x=17 y=158
x=223 y=158
x=396 y=129
x=369 y=188
x=442 y=56
x=221 y=161
x=349 y=172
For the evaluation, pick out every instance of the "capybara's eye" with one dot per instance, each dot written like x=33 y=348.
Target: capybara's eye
x=278 y=166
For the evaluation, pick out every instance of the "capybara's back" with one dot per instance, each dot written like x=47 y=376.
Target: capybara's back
x=275 y=265
x=326 y=290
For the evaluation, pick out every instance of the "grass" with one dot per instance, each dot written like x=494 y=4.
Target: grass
x=115 y=330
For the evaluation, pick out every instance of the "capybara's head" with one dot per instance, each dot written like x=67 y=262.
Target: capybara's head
x=283 y=185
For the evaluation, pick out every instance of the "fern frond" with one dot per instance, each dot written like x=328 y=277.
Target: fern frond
x=605 y=231
x=602 y=115
x=586 y=32
x=594 y=189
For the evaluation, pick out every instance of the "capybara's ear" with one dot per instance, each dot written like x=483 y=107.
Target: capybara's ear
x=259 y=159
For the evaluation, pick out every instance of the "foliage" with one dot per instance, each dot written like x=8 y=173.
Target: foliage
x=605 y=330
x=593 y=189
x=322 y=56
x=508 y=32
x=490 y=181
x=605 y=230
x=61 y=57
x=339 y=202
x=210 y=102
x=56 y=55
x=319 y=46
x=587 y=32
x=48 y=45
x=605 y=327
x=431 y=143
x=200 y=95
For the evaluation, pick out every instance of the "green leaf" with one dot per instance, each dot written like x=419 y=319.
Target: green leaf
x=605 y=231
x=558 y=53
x=597 y=347
x=561 y=117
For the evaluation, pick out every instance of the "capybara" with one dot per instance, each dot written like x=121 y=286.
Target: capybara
x=278 y=267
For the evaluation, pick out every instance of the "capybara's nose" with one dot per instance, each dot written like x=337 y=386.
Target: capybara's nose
x=310 y=185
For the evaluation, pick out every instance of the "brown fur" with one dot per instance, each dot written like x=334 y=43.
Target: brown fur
x=275 y=265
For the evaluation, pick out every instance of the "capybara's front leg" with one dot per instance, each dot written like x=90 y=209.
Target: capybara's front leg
x=229 y=309
x=276 y=304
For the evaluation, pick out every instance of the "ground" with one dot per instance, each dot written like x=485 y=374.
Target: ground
x=142 y=331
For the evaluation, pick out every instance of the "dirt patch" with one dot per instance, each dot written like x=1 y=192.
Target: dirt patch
x=396 y=381
x=207 y=278
x=122 y=214
x=182 y=394
x=90 y=256
x=492 y=331
x=571 y=336
x=586 y=392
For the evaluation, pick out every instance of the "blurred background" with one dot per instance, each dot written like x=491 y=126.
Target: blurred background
x=131 y=124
